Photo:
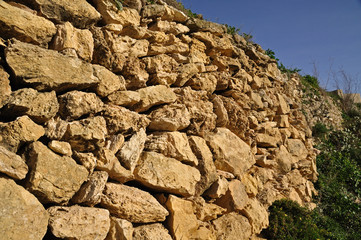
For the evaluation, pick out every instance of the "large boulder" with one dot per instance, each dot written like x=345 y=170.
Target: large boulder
x=167 y=174
x=52 y=178
x=132 y=204
x=230 y=152
x=70 y=222
x=24 y=26
x=22 y=215
x=48 y=69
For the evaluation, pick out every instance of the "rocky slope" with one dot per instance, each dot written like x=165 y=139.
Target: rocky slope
x=133 y=121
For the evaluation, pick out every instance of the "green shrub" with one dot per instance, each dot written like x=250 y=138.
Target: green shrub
x=232 y=30
x=288 y=70
x=271 y=54
x=310 y=81
x=288 y=220
x=319 y=130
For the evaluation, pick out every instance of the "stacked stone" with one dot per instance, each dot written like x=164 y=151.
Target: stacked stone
x=137 y=122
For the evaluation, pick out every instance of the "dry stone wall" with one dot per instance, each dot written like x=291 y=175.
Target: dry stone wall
x=137 y=122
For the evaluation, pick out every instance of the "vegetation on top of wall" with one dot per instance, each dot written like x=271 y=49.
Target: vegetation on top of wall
x=280 y=65
x=181 y=7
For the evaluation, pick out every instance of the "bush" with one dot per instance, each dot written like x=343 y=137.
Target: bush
x=232 y=30
x=288 y=220
x=310 y=81
x=319 y=130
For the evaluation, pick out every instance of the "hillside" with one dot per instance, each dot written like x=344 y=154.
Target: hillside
x=132 y=120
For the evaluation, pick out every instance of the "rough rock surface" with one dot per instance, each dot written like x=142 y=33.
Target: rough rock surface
x=150 y=232
x=232 y=226
x=132 y=204
x=12 y=165
x=22 y=215
x=120 y=229
x=77 y=222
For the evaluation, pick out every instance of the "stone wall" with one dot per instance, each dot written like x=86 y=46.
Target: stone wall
x=137 y=122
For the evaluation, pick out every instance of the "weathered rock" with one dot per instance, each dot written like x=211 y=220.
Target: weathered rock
x=165 y=12
x=108 y=81
x=284 y=159
x=129 y=154
x=22 y=215
x=55 y=128
x=24 y=26
x=124 y=98
x=155 y=231
x=12 y=165
x=86 y=134
x=63 y=148
x=230 y=152
x=5 y=88
x=232 y=226
x=205 y=166
x=108 y=162
x=88 y=160
x=172 y=117
x=132 y=204
x=297 y=148
x=203 y=81
x=114 y=142
x=91 y=191
x=167 y=174
x=203 y=119
x=182 y=221
x=40 y=107
x=160 y=63
x=265 y=140
x=52 y=178
x=68 y=37
x=122 y=120
x=154 y=95
x=216 y=44
x=283 y=108
x=220 y=111
x=172 y=144
x=70 y=222
x=120 y=229
x=256 y=214
x=206 y=211
x=186 y=72
x=22 y=130
x=236 y=197
x=176 y=47
x=80 y=13
x=169 y=27
x=197 y=25
x=218 y=188
x=76 y=104
x=43 y=71
x=111 y=14
x=135 y=74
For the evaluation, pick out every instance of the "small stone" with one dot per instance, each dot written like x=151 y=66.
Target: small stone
x=63 y=148
x=120 y=229
x=132 y=204
x=151 y=232
x=236 y=197
x=108 y=81
x=218 y=188
x=88 y=160
x=173 y=117
x=70 y=222
x=124 y=98
x=154 y=95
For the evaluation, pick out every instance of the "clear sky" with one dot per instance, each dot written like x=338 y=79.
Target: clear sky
x=302 y=33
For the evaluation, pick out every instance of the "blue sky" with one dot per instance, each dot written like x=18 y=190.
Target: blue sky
x=302 y=33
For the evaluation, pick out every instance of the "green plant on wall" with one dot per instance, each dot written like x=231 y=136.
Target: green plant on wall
x=232 y=30
x=119 y=4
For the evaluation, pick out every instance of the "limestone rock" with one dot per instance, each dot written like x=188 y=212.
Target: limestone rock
x=160 y=63
x=108 y=81
x=63 y=148
x=283 y=108
x=12 y=165
x=297 y=148
x=80 y=13
x=182 y=221
x=120 y=229
x=172 y=117
x=206 y=211
x=197 y=25
x=265 y=140
x=23 y=130
x=236 y=197
x=40 y=107
x=230 y=152
x=155 y=231
x=132 y=204
x=154 y=95
x=167 y=174
x=114 y=142
x=68 y=37
x=55 y=128
x=111 y=13
x=218 y=188
x=220 y=111
x=91 y=191
x=129 y=154
x=88 y=160
x=203 y=119
x=203 y=81
x=5 y=88
x=75 y=104
x=257 y=215
x=165 y=12
x=205 y=166
x=284 y=159
x=48 y=69
x=24 y=26
x=86 y=134
x=232 y=226
x=186 y=72
x=124 y=98
x=172 y=144
x=169 y=27
x=217 y=44
x=122 y=120
x=176 y=47
x=53 y=179
x=22 y=215
x=77 y=222
x=108 y=162
x=135 y=74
